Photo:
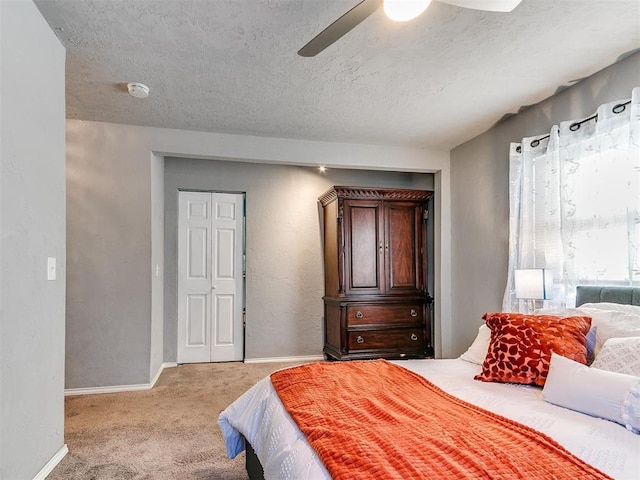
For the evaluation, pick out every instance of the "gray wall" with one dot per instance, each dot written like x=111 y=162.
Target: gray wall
x=109 y=272
x=285 y=281
x=32 y=223
x=157 y=260
x=480 y=193
x=115 y=234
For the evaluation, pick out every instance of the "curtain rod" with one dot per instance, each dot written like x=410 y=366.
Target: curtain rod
x=617 y=109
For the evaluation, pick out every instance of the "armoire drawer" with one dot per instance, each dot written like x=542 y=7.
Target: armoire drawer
x=370 y=314
x=401 y=338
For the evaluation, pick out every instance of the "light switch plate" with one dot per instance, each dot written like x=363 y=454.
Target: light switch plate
x=51 y=268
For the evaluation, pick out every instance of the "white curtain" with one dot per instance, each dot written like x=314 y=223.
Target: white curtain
x=575 y=203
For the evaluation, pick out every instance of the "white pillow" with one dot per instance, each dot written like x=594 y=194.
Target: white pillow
x=477 y=352
x=612 y=324
x=615 y=307
x=559 y=312
x=620 y=355
x=598 y=393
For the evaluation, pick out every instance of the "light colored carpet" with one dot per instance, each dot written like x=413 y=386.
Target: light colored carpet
x=167 y=433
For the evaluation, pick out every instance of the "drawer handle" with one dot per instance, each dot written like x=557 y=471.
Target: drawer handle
x=359 y=339
x=359 y=314
x=414 y=313
x=414 y=337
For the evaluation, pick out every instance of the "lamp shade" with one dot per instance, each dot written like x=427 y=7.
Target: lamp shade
x=533 y=283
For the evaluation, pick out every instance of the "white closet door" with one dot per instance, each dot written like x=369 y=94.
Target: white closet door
x=227 y=333
x=210 y=237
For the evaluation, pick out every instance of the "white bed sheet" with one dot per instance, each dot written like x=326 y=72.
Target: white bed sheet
x=259 y=416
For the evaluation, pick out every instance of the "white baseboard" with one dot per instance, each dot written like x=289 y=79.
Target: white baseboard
x=119 y=388
x=162 y=367
x=147 y=386
x=51 y=464
x=308 y=358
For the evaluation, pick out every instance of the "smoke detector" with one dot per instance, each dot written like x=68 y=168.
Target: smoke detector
x=138 y=90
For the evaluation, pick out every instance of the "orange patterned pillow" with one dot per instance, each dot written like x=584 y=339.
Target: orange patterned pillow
x=521 y=345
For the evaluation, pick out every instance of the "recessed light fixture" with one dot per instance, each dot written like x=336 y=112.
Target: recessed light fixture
x=322 y=169
x=138 y=90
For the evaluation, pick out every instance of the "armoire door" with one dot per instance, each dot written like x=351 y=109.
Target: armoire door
x=403 y=254
x=364 y=247
x=210 y=280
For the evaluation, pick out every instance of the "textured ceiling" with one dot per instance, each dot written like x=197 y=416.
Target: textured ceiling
x=230 y=66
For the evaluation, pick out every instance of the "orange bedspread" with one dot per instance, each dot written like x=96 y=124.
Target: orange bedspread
x=376 y=420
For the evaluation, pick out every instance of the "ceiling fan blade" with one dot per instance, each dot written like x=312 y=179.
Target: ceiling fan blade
x=488 y=5
x=339 y=28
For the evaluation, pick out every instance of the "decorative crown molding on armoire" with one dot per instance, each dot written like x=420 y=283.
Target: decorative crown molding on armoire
x=376 y=302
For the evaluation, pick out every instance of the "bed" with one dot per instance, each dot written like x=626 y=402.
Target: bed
x=604 y=438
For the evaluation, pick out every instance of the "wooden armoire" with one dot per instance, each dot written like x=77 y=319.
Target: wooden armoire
x=376 y=302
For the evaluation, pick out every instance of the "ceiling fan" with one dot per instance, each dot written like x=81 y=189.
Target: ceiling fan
x=398 y=10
